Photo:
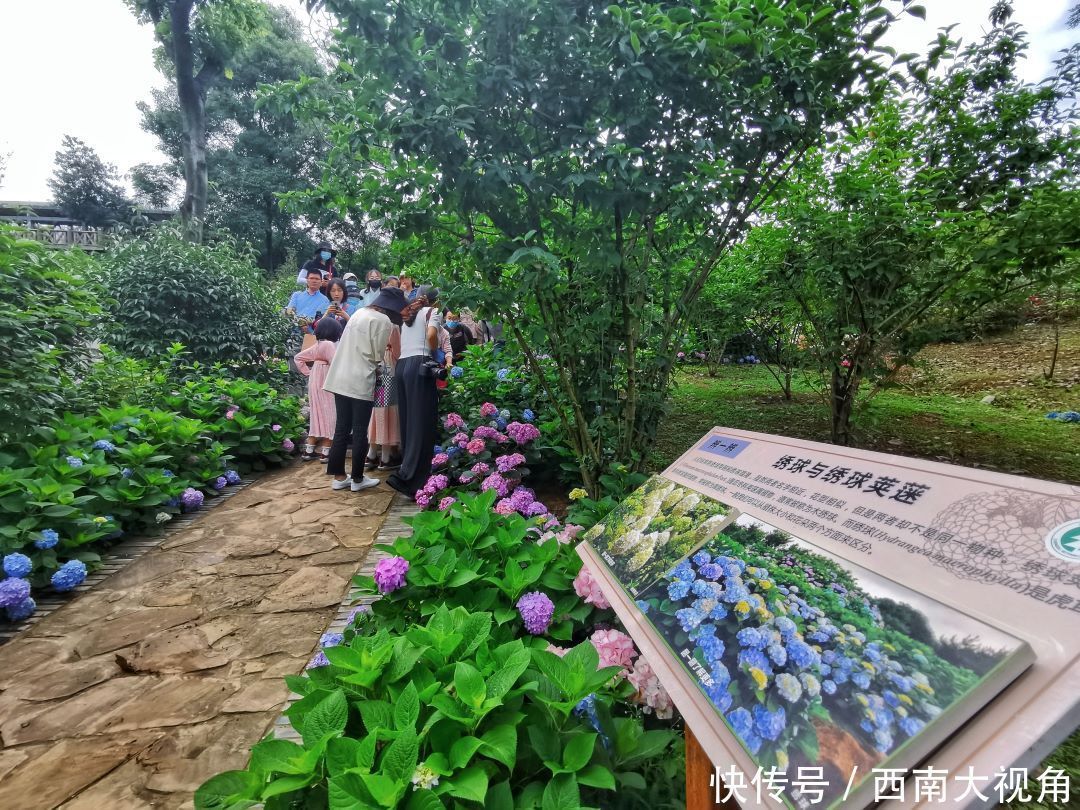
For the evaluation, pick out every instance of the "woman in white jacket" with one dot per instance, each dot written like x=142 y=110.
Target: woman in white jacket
x=351 y=379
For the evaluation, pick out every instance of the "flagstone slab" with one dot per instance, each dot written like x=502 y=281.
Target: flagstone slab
x=138 y=690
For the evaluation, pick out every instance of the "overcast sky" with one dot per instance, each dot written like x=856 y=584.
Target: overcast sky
x=79 y=66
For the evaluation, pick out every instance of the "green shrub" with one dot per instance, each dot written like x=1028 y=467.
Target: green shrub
x=49 y=307
x=210 y=298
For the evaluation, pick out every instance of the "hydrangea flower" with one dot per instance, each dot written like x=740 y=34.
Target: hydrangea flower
x=232 y=476
x=288 y=445
x=536 y=610
x=437 y=449
x=439 y=459
x=522 y=432
x=502 y=374
x=390 y=574
x=48 y=538
x=487 y=409
x=569 y=532
x=424 y=778
x=508 y=462
x=586 y=586
x=362 y=612
x=446 y=503
x=789 y=687
x=499 y=424
x=104 y=444
x=650 y=694
x=231 y=412
x=528 y=415
x=475 y=447
x=220 y=482
x=504 y=506
x=577 y=494
x=13 y=591
x=616 y=649
x=23 y=610
x=69 y=575
x=331 y=639
x=126 y=472
x=497 y=483
x=17 y=565
x=770 y=725
x=456 y=372
x=275 y=428
x=163 y=517
x=74 y=461
x=486 y=432
x=168 y=474
x=320 y=660
x=453 y=421
x=192 y=498
x=422 y=498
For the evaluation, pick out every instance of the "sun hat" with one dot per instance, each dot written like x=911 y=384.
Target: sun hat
x=324 y=245
x=390 y=298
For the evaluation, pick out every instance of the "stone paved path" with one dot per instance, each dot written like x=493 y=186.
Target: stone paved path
x=131 y=695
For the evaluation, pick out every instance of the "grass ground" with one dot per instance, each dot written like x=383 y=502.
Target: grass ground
x=934 y=412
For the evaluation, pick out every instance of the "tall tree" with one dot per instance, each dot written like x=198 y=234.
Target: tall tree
x=199 y=39
x=255 y=150
x=593 y=161
x=85 y=187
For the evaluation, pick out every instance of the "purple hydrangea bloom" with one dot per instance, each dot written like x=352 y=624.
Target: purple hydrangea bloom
x=104 y=444
x=536 y=610
x=497 y=483
x=74 y=461
x=232 y=476
x=331 y=639
x=192 y=498
x=48 y=539
x=390 y=574
x=360 y=613
x=319 y=660
x=17 y=565
x=508 y=462
x=70 y=574
x=535 y=509
x=522 y=432
x=23 y=610
x=13 y=591
x=288 y=445
x=220 y=482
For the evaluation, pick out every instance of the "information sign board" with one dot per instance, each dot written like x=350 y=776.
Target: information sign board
x=815 y=610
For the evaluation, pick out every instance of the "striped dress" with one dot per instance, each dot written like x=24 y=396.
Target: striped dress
x=323 y=410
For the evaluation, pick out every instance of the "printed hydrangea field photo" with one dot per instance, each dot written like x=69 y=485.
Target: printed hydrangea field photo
x=811 y=661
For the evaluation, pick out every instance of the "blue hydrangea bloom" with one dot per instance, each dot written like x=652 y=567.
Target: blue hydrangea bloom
x=770 y=725
x=704 y=589
x=232 y=476
x=173 y=502
x=220 y=482
x=126 y=472
x=48 y=538
x=17 y=565
x=777 y=654
x=720 y=674
x=800 y=653
x=74 y=461
x=168 y=473
x=642 y=605
x=104 y=444
x=319 y=660
x=710 y=571
x=456 y=371
x=438 y=449
x=500 y=423
x=702 y=558
x=453 y=451
x=861 y=679
x=528 y=415
x=689 y=618
x=13 y=591
x=883 y=740
x=786 y=627
x=331 y=639
x=741 y=722
x=719 y=696
x=23 y=610
x=678 y=589
x=711 y=647
x=683 y=571
x=911 y=725
x=751 y=637
x=702 y=630
x=755 y=659
x=502 y=374
x=891 y=699
x=70 y=575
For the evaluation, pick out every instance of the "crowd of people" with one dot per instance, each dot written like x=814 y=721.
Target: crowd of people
x=375 y=358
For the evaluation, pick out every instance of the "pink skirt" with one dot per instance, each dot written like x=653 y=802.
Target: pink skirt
x=384 y=428
x=323 y=416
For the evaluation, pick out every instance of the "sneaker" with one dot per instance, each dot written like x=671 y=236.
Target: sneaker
x=372 y=464
x=307 y=456
x=335 y=484
x=389 y=465
x=324 y=457
x=364 y=483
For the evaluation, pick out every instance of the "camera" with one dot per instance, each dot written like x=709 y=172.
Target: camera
x=433 y=368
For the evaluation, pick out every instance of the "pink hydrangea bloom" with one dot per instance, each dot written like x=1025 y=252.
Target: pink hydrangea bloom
x=487 y=409
x=436 y=483
x=504 y=507
x=288 y=446
x=275 y=428
x=570 y=533
x=229 y=414
x=466 y=477
x=557 y=650
x=509 y=461
x=446 y=503
x=453 y=421
x=486 y=432
x=390 y=573
x=497 y=483
x=475 y=447
x=522 y=432
x=461 y=439
x=480 y=468
x=439 y=459
x=650 y=693
x=422 y=497
x=615 y=647
x=586 y=586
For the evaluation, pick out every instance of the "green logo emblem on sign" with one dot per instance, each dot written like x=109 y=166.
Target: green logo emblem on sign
x=1064 y=541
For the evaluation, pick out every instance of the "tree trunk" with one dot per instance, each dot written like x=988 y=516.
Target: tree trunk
x=191 y=91
x=269 y=235
x=841 y=404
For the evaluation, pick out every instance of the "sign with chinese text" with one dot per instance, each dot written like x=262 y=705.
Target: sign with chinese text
x=834 y=613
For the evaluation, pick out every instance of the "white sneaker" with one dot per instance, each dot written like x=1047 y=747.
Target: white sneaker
x=364 y=483
x=335 y=484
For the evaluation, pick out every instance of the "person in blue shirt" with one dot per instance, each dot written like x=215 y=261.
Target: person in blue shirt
x=374 y=286
x=342 y=303
x=310 y=302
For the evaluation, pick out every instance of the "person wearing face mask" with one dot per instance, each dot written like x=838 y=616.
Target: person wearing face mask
x=323 y=261
x=460 y=335
x=368 y=295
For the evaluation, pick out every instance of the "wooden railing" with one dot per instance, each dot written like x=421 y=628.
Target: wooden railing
x=67 y=237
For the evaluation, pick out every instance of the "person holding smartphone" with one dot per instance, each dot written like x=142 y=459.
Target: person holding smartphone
x=338 y=308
